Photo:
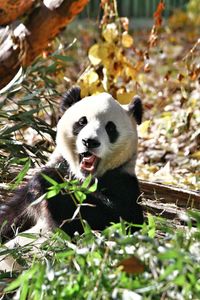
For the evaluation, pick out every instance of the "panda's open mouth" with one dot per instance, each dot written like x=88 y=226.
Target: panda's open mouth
x=88 y=162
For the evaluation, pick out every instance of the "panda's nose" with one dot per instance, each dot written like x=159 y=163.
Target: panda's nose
x=91 y=143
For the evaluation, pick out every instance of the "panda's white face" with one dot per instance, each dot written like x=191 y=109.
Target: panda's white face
x=97 y=134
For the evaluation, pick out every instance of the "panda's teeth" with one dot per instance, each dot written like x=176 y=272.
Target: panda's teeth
x=88 y=163
x=84 y=155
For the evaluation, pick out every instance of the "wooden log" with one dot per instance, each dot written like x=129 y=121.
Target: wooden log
x=11 y=53
x=23 y=45
x=170 y=194
x=165 y=210
x=11 y=10
x=44 y=24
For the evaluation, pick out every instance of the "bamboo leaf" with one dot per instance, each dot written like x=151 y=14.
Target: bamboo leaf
x=22 y=174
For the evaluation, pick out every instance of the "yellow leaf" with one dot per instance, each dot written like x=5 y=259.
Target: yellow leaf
x=130 y=72
x=124 y=97
x=196 y=155
x=193 y=102
x=99 y=53
x=92 y=77
x=167 y=114
x=84 y=88
x=153 y=168
x=110 y=33
x=143 y=129
x=94 y=56
x=127 y=40
x=97 y=89
x=89 y=77
x=90 y=84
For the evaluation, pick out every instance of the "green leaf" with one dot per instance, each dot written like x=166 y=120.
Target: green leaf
x=80 y=196
x=180 y=280
x=24 y=290
x=30 y=99
x=22 y=174
x=168 y=270
x=13 y=285
x=151 y=226
x=50 y=180
x=24 y=115
x=12 y=129
x=28 y=235
x=86 y=182
x=52 y=193
x=21 y=279
x=93 y=187
x=169 y=254
x=64 y=58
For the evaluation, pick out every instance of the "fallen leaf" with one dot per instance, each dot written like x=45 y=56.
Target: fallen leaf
x=196 y=155
x=144 y=129
x=131 y=265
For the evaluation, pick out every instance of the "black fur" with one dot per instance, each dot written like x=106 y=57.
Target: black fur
x=135 y=107
x=116 y=197
x=79 y=125
x=112 y=132
x=13 y=214
x=91 y=143
x=72 y=96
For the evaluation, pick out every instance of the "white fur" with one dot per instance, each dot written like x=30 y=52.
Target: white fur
x=98 y=109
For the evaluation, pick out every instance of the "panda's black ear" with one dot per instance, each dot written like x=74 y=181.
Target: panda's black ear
x=135 y=109
x=72 y=96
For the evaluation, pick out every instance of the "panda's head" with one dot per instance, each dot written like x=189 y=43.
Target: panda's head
x=97 y=134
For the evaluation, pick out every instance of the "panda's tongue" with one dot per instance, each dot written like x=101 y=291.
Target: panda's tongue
x=88 y=163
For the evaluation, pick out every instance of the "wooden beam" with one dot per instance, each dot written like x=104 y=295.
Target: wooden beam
x=170 y=194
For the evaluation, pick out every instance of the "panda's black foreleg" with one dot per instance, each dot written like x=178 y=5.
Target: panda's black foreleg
x=12 y=214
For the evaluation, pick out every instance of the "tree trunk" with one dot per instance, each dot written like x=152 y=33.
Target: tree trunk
x=11 y=10
x=27 y=41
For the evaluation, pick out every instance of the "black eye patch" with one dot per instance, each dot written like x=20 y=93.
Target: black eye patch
x=112 y=132
x=79 y=125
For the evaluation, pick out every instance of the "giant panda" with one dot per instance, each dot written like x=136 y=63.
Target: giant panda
x=96 y=136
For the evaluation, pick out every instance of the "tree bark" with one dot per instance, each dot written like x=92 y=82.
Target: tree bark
x=27 y=41
x=11 y=10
